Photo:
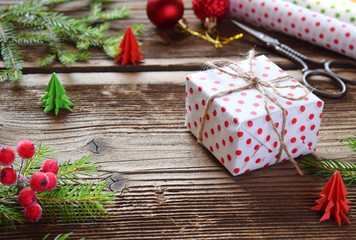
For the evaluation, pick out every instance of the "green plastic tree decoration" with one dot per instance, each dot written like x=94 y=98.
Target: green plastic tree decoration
x=56 y=97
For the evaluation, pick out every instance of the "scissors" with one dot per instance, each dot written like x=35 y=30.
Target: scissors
x=304 y=61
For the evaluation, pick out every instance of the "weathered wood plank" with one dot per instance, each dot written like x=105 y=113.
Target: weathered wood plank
x=131 y=120
x=170 y=187
x=169 y=47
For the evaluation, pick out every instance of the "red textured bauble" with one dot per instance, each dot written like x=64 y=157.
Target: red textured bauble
x=211 y=8
x=165 y=13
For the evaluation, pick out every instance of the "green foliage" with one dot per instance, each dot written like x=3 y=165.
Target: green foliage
x=73 y=200
x=73 y=172
x=60 y=236
x=32 y=165
x=10 y=53
x=351 y=142
x=327 y=167
x=35 y=22
x=10 y=212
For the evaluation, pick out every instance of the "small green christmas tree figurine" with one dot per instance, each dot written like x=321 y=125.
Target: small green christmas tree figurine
x=56 y=97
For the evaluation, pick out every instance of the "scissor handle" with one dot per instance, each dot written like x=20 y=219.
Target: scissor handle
x=302 y=56
x=310 y=73
x=340 y=64
x=290 y=55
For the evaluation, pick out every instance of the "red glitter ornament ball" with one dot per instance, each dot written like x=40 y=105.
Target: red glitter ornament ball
x=165 y=13
x=211 y=8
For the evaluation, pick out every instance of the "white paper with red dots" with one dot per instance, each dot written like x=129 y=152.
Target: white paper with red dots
x=298 y=22
x=237 y=129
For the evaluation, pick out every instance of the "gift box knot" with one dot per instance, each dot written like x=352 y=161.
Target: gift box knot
x=254 y=82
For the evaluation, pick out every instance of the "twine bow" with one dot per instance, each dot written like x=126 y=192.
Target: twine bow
x=255 y=82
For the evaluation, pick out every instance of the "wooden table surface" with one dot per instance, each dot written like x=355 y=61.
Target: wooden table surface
x=131 y=120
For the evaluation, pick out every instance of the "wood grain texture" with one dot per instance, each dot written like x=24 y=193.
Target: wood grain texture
x=166 y=49
x=131 y=120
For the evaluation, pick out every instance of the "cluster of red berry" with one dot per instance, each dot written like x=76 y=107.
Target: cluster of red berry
x=41 y=181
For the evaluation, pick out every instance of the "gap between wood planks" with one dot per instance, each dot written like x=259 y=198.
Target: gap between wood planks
x=69 y=79
x=149 y=65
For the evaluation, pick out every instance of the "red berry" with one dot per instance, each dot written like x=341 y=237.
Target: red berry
x=27 y=197
x=7 y=156
x=8 y=176
x=25 y=149
x=33 y=213
x=52 y=181
x=50 y=165
x=39 y=182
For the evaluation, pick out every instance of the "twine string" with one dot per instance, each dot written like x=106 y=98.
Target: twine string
x=255 y=82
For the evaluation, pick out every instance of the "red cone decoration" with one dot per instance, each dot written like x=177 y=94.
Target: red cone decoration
x=129 y=49
x=333 y=200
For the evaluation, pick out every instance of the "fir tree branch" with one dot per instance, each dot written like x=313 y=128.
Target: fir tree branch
x=74 y=199
x=97 y=15
x=9 y=216
x=55 y=29
x=60 y=236
x=9 y=212
x=46 y=60
x=33 y=164
x=4 y=74
x=73 y=171
x=76 y=202
x=30 y=38
x=328 y=167
x=10 y=52
x=55 y=43
x=351 y=142
x=55 y=2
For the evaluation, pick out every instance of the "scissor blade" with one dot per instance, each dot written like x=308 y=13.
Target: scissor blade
x=259 y=35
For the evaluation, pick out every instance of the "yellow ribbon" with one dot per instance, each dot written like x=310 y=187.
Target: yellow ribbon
x=215 y=39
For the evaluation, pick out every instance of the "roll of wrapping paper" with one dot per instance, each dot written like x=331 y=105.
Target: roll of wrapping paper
x=344 y=10
x=298 y=22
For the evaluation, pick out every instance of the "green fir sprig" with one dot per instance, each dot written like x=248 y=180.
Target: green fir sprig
x=351 y=142
x=75 y=199
x=35 y=22
x=60 y=236
x=327 y=167
x=10 y=211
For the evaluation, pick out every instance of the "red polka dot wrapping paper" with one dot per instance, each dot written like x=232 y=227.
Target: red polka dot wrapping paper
x=238 y=131
x=298 y=22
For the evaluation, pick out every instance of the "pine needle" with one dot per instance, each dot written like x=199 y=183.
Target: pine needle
x=327 y=167
x=75 y=199
x=76 y=203
x=351 y=142
x=10 y=212
x=45 y=26
x=60 y=236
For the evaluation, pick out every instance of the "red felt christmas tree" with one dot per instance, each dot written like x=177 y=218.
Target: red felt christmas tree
x=333 y=200
x=129 y=49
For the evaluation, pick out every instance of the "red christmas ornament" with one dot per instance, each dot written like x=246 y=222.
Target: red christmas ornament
x=165 y=13
x=129 y=49
x=333 y=200
x=211 y=9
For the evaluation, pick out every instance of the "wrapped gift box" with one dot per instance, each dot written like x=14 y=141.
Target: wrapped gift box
x=238 y=131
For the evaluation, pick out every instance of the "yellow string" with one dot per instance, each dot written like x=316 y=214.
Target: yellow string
x=218 y=41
